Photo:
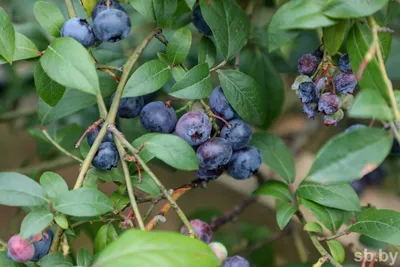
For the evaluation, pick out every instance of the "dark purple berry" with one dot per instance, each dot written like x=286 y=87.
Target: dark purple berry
x=106 y=157
x=202 y=230
x=80 y=30
x=42 y=247
x=199 y=22
x=111 y=25
x=375 y=177
x=310 y=109
x=318 y=54
x=359 y=186
x=104 y=5
x=238 y=135
x=157 y=117
x=344 y=64
x=307 y=92
x=307 y=64
x=214 y=153
x=345 y=83
x=329 y=103
x=235 y=261
x=209 y=174
x=20 y=250
x=354 y=127
x=91 y=136
x=220 y=105
x=194 y=127
x=129 y=107
x=395 y=150
x=244 y=163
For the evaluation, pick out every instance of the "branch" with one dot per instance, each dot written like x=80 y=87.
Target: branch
x=70 y=8
x=51 y=140
x=12 y=115
x=223 y=63
x=47 y=165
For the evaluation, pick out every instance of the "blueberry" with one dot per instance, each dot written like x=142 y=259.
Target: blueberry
x=344 y=64
x=106 y=157
x=329 y=103
x=20 y=250
x=209 y=174
x=219 y=249
x=202 y=230
x=244 y=163
x=310 y=109
x=199 y=22
x=345 y=83
x=354 y=127
x=238 y=135
x=111 y=25
x=214 y=153
x=235 y=261
x=91 y=136
x=42 y=247
x=307 y=64
x=333 y=119
x=194 y=127
x=129 y=107
x=299 y=79
x=220 y=105
x=104 y=5
x=80 y=30
x=395 y=150
x=157 y=117
x=359 y=186
x=375 y=177
x=320 y=86
x=307 y=92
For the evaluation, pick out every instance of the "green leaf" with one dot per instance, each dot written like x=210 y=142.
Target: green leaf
x=119 y=201
x=313 y=227
x=229 y=24
x=393 y=11
x=113 y=175
x=7 y=37
x=35 y=222
x=337 y=250
x=179 y=46
x=54 y=260
x=284 y=214
x=339 y=196
x=359 y=40
x=145 y=8
x=275 y=189
x=18 y=190
x=275 y=155
x=195 y=84
x=104 y=237
x=48 y=90
x=331 y=218
x=61 y=221
x=244 y=94
x=163 y=11
x=84 y=258
x=190 y=3
x=207 y=51
x=49 y=17
x=171 y=149
x=350 y=156
x=342 y=9
x=68 y=63
x=163 y=58
x=147 y=184
x=6 y=262
x=83 y=202
x=53 y=184
x=148 y=78
x=382 y=225
x=24 y=48
x=148 y=249
x=369 y=104
x=88 y=5
x=334 y=36
x=178 y=72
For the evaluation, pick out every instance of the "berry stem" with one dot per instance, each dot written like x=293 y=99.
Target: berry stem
x=186 y=107
x=51 y=140
x=70 y=8
x=92 y=127
x=220 y=65
x=339 y=234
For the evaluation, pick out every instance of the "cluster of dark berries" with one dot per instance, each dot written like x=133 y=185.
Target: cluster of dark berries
x=33 y=249
x=324 y=87
x=204 y=232
x=199 y=22
x=110 y=24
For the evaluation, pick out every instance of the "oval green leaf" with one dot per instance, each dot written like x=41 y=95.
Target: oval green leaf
x=24 y=48
x=55 y=260
x=35 y=222
x=68 y=63
x=275 y=189
x=334 y=36
x=342 y=9
x=7 y=37
x=88 y=5
x=49 y=17
x=84 y=258
x=61 y=221
x=337 y=250
x=179 y=46
x=147 y=185
x=6 y=262
x=207 y=51
x=113 y=175
x=195 y=84
x=313 y=227
x=53 y=184
x=149 y=249
x=284 y=214
x=178 y=72
x=145 y=8
x=163 y=11
x=106 y=235
x=349 y=156
x=48 y=90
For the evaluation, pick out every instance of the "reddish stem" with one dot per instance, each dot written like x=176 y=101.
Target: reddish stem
x=133 y=159
x=222 y=119
x=90 y=128
x=168 y=103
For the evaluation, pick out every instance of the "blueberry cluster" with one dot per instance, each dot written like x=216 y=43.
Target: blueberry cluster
x=204 y=232
x=22 y=250
x=199 y=22
x=324 y=87
x=110 y=24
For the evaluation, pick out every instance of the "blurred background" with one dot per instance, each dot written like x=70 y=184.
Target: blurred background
x=254 y=233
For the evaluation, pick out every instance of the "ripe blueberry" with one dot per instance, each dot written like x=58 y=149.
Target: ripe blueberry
x=80 y=30
x=359 y=186
x=307 y=92
x=299 y=79
x=20 y=250
x=320 y=86
x=199 y=22
x=91 y=136
x=111 y=25
x=202 y=230
x=129 y=107
x=310 y=109
x=214 y=153
x=344 y=64
x=345 y=83
x=329 y=103
x=220 y=105
x=194 y=127
x=42 y=247
x=104 y=5
x=307 y=64
x=106 y=157
x=209 y=174
x=375 y=177
x=244 y=163
x=354 y=127
x=219 y=249
x=238 y=135
x=157 y=117
x=235 y=261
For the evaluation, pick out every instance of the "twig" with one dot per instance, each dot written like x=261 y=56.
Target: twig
x=93 y=128
x=237 y=62
x=109 y=67
x=12 y=115
x=70 y=8
x=47 y=165
x=51 y=140
x=56 y=241
x=299 y=244
x=223 y=63
x=339 y=234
